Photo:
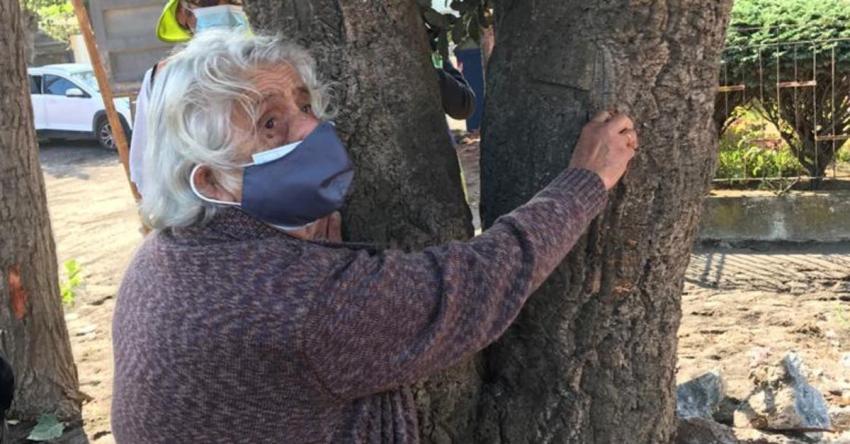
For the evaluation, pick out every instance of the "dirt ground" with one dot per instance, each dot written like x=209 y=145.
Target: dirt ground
x=738 y=303
x=94 y=221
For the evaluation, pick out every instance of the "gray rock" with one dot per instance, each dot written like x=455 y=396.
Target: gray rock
x=725 y=413
x=783 y=400
x=840 y=418
x=703 y=431
x=700 y=397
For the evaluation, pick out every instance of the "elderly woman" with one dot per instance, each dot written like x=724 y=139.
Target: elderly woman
x=233 y=325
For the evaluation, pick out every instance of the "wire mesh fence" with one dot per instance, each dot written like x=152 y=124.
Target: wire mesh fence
x=802 y=88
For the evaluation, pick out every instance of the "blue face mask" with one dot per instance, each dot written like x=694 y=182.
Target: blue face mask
x=220 y=17
x=294 y=185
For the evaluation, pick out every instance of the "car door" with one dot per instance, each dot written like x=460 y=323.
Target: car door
x=66 y=113
x=38 y=111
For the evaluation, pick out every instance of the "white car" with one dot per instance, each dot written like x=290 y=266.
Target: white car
x=66 y=104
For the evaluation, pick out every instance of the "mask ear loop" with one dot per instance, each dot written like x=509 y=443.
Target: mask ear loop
x=201 y=196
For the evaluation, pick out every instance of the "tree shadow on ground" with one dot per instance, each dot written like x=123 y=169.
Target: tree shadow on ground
x=70 y=158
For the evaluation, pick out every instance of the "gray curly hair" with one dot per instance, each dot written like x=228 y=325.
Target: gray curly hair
x=189 y=122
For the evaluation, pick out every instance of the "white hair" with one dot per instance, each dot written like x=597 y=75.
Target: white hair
x=193 y=100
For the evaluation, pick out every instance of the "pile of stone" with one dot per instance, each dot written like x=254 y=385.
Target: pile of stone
x=783 y=408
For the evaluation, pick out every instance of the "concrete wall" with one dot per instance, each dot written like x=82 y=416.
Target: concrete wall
x=78 y=46
x=795 y=217
x=49 y=50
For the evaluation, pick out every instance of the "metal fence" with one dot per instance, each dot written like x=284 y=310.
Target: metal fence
x=788 y=82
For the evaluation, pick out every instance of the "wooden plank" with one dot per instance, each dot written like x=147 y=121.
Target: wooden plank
x=806 y=84
x=830 y=137
x=106 y=92
x=731 y=88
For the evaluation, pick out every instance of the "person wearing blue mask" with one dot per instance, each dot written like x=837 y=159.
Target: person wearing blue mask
x=236 y=323
x=179 y=21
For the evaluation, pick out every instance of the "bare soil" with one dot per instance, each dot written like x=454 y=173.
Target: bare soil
x=743 y=306
x=95 y=222
x=739 y=304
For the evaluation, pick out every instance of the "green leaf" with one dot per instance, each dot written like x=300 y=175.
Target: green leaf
x=47 y=428
x=71 y=266
x=74 y=279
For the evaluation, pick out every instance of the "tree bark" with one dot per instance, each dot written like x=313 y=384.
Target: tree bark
x=30 y=23
x=33 y=335
x=407 y=191
x=592 y=357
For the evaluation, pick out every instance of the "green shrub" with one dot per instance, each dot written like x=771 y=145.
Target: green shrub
x=751 y=148
x=843 y=154
x=755 y=162
x=771 y=41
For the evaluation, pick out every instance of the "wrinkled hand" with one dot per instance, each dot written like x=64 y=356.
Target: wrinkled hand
x=606 y=145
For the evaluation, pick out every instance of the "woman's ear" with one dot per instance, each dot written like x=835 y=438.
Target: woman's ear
x=209 y=186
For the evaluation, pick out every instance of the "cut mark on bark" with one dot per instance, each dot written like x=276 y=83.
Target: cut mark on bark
x=623 y=290
x=17 y=294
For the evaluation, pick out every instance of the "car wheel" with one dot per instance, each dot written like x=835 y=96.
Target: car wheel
x=103 y=132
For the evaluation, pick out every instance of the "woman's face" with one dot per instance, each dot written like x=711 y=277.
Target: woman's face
x=284 y=115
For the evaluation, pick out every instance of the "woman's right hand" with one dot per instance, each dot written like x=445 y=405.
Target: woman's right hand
x=606 y=145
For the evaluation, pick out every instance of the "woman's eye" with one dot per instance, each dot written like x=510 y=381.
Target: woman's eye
x=270 y=124
x=308 y=109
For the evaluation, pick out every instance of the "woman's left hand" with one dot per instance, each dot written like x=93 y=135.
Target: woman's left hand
x=328 y=228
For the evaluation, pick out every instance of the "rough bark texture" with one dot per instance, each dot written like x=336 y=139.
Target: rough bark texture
x=592 y=357
x=30 y=23
x=33 y=335
x=407 y=191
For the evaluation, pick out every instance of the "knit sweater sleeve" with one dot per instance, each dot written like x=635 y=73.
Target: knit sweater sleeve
x=391 y=319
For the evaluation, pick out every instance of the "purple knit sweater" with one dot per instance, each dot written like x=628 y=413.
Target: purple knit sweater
x=237 y=333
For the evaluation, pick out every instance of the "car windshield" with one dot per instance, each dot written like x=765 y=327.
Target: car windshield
x=87 y=78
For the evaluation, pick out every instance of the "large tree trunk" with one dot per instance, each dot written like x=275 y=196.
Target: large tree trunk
x=592 y=357
x=32 y=326
x=407 y=191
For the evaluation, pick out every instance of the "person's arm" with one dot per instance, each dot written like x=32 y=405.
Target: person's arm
x=379 y=321
x=391 y=319
x=457 y=96
x=140 y=132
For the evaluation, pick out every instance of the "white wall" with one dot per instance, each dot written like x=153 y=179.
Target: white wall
x=78 y=46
